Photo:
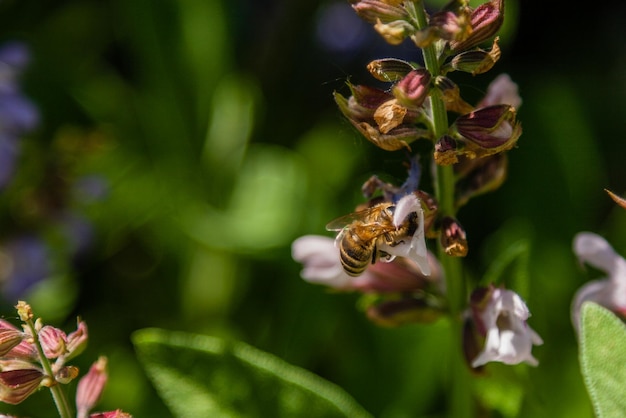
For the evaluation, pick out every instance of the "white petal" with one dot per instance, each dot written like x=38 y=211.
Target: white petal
x=595 y=291
x=321 y=261
x=414 y=249
x=596 y=251
x=408 y=204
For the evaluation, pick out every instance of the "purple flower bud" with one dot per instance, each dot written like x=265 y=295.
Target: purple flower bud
x=485 y=22
x=488 y=130
x=413 y=89
x=18 y=380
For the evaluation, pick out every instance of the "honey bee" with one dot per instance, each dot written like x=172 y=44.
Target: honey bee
x=365 y=231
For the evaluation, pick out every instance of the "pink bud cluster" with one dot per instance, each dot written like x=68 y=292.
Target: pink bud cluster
x=37 y=355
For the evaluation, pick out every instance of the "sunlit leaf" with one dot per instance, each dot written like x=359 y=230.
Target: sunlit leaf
x=602 y=358
x=211 y=377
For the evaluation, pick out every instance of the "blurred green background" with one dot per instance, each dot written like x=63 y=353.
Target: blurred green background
x=211 y=129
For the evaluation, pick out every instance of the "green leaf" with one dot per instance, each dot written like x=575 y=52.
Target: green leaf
x=207 y=376
x=602 y=358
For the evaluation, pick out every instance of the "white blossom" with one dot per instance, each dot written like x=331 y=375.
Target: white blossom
x=508 y=338
x=609 y=291
x=415 y=247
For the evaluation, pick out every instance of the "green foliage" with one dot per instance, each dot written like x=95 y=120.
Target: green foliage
x=602 y=359
x=207 y=376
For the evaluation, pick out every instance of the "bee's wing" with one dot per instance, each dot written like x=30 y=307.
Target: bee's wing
x=345 y=220
x=361 y=215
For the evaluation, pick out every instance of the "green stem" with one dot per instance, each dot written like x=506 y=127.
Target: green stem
x=57 y=393
x=460 y=397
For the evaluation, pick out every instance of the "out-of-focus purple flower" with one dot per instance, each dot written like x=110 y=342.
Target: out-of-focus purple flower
x=610 y=291
x=90 y=189
x=18 y=115
x=24 y=261
x=78 y=231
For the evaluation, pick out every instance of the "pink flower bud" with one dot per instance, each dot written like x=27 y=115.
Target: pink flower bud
x=53 y=341
x=90 y=387
x=77 y=340
x=413 y=89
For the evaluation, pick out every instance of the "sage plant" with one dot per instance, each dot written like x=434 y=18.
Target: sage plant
x=467 y=157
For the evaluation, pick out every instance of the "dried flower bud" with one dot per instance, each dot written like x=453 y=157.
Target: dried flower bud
x=451 y=95
x=53 y=341
x=90 y=387
x=362 y=117
x=66 y=374
x=389 y=69
x=24 y=311
x=485 y=21
x=488 y=130
x=407 y=310
x=389 y=115
x=18 y=380
x=379 y=10
x=476 y=61
x=394 y=32
x=453 y=238
x=452 y=25
x=413 y=89
x=446 y=151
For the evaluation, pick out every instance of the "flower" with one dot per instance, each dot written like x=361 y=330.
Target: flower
x=322 y=258
x=90 y=387
x=610 y=291
x=499 y=317
x=322 y=265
